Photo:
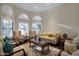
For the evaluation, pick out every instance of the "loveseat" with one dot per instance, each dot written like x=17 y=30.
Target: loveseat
x=50 y=37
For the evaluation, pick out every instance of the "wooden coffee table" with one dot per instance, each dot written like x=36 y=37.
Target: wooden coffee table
x=42 y=45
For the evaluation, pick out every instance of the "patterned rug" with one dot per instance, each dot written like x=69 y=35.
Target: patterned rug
x=32 y=52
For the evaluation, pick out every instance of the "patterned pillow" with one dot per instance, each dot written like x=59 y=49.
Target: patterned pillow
x=8 y=47
x=69 y=47
x=76 y=40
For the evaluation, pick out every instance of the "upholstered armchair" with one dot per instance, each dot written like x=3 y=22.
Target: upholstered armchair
x=69 y=48
x=16 y=35
x=17 y=51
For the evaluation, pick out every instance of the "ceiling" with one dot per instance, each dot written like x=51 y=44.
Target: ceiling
x=37 y=7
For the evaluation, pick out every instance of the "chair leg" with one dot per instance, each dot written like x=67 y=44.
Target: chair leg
x=24 y=53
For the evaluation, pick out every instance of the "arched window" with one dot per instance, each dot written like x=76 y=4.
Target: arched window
x=7 y=21
x=23 y=25
x=37 y=18
x=37 y=25
x=6 y=10
x=23 y=17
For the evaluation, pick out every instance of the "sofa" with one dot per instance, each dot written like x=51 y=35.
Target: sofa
x=50 y=37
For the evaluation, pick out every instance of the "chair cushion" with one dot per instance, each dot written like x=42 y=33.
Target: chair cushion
x=69 y=47
x=63 y=53
x=17 y=34
x=18 y=53
x=55 y=51
x=76 y=40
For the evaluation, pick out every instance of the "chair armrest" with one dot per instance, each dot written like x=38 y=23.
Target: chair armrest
x=18 y=51
x=69 y=47
x=63 y=53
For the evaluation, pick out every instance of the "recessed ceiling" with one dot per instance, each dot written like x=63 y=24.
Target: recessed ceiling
x=37 y=7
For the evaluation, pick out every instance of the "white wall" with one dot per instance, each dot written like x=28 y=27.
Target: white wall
x=62 y=19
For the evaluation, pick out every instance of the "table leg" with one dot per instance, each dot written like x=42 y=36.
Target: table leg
x=48 y=47
x=30 y=44
x=42 y=50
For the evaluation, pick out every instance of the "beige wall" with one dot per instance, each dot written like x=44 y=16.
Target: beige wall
x=62 y=19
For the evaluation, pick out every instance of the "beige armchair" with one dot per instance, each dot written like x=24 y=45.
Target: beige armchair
x=16 y=35
x=69 y=48
x=17 y=51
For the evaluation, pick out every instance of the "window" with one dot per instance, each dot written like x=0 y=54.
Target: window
x=7 y=27
x=23 y=17
x=6 y=10
x=7 y=21
x=37 y=18
x=36 y=27
x=23 y=27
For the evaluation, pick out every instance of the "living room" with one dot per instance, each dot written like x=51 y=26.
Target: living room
x=39 y=29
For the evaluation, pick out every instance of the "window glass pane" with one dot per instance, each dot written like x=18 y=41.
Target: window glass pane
x=23 y=27
x=6 y=10
x=23 y=17
x=36 y=27
x=37 y=18
x=7 y=27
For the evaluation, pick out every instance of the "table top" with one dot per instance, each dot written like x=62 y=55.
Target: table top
x=39 y=43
